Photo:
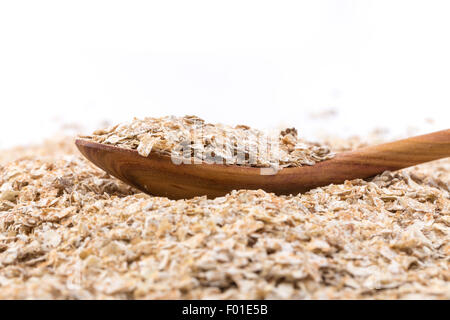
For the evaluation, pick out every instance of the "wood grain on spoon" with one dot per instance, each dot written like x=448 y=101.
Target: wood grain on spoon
x=158 y=175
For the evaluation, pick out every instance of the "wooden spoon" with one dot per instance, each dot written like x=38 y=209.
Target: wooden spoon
x=158 y=175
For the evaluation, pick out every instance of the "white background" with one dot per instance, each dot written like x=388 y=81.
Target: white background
x=263 y=63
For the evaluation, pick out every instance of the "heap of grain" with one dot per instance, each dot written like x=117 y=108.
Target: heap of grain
x=70 y=231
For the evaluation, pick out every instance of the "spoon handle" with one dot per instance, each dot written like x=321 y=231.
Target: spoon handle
x=395 y=155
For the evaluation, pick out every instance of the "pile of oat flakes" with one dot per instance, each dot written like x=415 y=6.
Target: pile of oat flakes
x=70 y=231
x=213 y=143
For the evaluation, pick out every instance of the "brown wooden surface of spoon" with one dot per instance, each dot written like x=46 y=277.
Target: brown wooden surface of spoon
x=158 y=175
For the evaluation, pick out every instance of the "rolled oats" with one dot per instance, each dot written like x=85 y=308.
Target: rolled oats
x=213 y=143
x=70 y=231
